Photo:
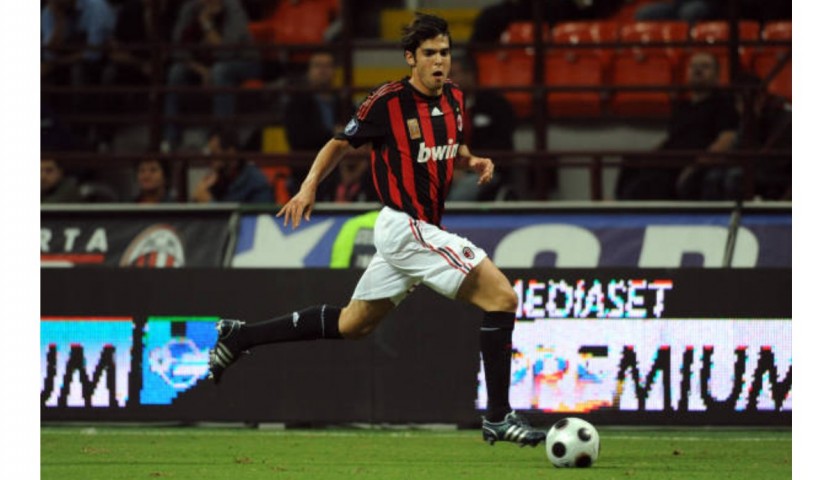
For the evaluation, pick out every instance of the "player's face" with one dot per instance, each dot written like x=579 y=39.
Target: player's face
x=430 y=65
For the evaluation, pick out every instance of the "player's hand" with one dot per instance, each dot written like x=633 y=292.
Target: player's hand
x=300 y=206
x=483 y=167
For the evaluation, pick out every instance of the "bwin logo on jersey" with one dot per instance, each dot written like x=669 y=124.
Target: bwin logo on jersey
x=443 y=152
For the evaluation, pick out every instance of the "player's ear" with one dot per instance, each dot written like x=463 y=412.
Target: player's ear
x=409 y=58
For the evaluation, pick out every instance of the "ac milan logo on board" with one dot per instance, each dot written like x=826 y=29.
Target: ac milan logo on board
x=156 y=247
x=468 y=253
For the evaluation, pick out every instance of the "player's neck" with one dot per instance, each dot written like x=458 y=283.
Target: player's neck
x=418 y=85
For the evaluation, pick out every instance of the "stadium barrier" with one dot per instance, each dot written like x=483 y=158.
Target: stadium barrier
x=515 y=235
x=617 y=346
x=606 y=329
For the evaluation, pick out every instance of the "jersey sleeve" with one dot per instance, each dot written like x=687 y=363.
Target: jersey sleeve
x=369 y=123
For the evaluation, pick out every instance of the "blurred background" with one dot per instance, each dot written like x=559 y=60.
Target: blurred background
x=573 y=99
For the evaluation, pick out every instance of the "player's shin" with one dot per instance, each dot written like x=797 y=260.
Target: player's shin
x=312 y=323
x=495 y=341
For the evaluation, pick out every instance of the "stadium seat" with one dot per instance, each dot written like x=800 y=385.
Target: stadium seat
x=766 y=58
x=716 y=35
x=658 y=32
x=781 y=30
x=295 y=23
x=634 y=68
x=578 y=66
x=508 y=69
x=511 y=67
x=640 y=65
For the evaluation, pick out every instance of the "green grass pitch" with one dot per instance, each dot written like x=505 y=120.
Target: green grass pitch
x=118 y=452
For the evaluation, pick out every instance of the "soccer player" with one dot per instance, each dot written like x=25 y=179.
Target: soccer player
x=415 y=127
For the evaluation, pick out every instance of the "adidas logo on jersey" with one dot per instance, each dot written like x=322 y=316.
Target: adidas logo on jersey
x=437 y=153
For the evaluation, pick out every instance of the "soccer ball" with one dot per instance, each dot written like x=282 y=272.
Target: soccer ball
x=572 y=442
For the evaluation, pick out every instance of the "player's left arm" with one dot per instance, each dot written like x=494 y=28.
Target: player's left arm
x=481 y=165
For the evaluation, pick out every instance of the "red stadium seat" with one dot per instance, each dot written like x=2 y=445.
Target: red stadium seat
x=782 y=30
x=716 y=35
x=766 y=59
x=658 y=32
x=578 y=66
x=511 y=67
x=520 y=32
x=304 y=21
x=295 y=23
x=632 y=68
x=508 y=69
x=640 y=65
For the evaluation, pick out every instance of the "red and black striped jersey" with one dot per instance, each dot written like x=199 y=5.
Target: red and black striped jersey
x=414 y=142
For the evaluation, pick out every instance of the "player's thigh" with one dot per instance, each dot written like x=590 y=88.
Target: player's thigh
x=488 y=288
x=360 y=317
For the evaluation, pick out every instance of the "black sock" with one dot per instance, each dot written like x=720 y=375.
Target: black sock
x=320 y=321
x=496 y=345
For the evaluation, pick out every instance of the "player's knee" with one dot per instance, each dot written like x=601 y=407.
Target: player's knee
x=356 y=332
x=508 y=300
x=355 y=325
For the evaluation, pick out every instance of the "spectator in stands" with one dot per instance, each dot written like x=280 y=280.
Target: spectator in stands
x=139 y=22
x=767 y=127
x=73 y=36
x=705 y=120
x=210 y=23
x=55 y=186
x=153 y=180
x=352 y=184
x=312 y=118
x=489 y=126
x=67 y=27
x=773 y=130
x=231 y=179
x=685 y=10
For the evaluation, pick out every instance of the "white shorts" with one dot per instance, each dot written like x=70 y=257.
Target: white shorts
x=411 y=251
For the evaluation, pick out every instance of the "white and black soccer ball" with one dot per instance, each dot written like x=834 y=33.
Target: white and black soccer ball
x=572 y=442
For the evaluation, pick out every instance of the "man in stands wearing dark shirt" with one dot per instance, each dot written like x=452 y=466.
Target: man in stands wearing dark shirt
x=706 y=120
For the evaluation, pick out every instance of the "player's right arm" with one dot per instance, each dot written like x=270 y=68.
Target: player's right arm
x=300 y=206
x=368 y=125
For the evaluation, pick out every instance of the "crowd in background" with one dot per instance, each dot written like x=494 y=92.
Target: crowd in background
x=100 y=43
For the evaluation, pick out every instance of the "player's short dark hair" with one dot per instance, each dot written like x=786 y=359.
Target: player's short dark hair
x=423 y=27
